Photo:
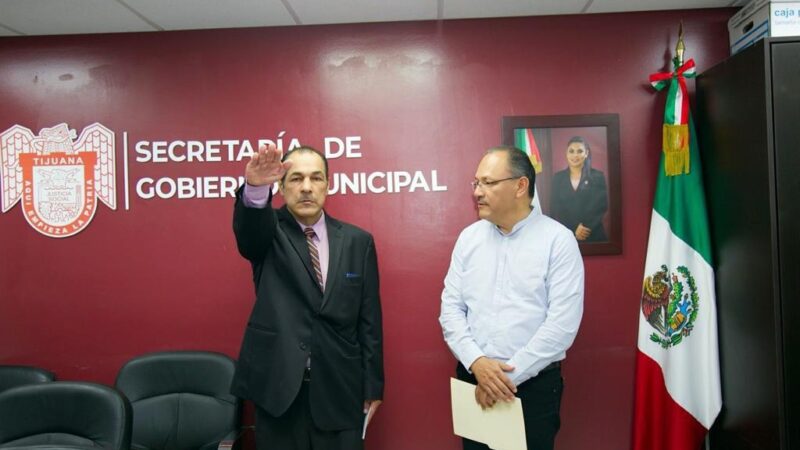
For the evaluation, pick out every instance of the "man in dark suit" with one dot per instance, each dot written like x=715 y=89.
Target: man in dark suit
x=311 y=358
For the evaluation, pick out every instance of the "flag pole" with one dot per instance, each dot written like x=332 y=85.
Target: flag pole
x=680 y=48
x=678 y=395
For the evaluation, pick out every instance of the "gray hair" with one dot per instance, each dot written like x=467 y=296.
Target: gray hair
x=305 y=149
x=520 y=165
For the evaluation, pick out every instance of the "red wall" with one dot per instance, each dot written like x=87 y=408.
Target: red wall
x=165 y=274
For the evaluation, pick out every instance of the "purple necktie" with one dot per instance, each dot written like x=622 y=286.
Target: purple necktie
x=312 y=250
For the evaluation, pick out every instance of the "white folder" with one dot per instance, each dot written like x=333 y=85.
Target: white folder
x=501 y=427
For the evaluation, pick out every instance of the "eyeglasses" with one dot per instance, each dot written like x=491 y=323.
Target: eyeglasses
x=482 y=184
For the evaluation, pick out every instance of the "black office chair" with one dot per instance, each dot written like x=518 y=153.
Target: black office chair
x=66 y=414
x=181 y=400
x=13 y=376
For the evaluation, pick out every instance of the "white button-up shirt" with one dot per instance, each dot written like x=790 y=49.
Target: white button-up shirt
x=515 y=297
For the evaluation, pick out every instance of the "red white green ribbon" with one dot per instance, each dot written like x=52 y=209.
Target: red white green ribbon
x=677 y=109
x=675 y=142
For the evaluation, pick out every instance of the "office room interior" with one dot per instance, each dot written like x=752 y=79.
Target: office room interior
x=404 y=98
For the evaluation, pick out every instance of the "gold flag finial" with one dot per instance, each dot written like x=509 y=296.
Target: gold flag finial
x=675 y=134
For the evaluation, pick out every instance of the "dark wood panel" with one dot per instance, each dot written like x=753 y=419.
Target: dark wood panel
x=786 y=136
x=733 y=129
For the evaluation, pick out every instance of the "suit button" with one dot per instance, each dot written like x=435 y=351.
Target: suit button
x=303 y=346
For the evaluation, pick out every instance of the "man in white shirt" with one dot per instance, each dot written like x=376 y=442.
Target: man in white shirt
x=513 y=297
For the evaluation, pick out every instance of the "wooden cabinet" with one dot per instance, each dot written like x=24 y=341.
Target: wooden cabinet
x=748 y=117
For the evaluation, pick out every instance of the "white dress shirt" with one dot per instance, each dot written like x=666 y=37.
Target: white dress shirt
x=515 y=297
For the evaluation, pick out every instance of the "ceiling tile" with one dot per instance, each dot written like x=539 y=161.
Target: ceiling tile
x=605 y=6
x=69 y=17
x=33 y=17
x=463 y=9
x=196 y=14
x=6 y=32
x=352 y=11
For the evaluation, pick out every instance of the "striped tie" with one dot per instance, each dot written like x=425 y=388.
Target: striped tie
x=312 y=250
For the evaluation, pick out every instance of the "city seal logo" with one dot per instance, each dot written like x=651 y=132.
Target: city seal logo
x=58 y=178
x=670 y=304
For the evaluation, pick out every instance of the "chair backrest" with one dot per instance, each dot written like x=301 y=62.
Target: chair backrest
x=181 y=400
x=65 y=413
x=13 y=376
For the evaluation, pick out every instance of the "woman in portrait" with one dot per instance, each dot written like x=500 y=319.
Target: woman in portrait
x=579 y=198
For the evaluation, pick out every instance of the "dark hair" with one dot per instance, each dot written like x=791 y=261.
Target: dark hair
x=587 y=163
x=520 y=165
x=305 y=149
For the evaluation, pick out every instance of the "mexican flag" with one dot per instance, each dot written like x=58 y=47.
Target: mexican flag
x=677 y=365
x=525 y=141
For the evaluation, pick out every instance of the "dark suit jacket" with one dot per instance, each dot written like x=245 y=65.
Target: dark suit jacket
x=293 y=319
x=587 y=205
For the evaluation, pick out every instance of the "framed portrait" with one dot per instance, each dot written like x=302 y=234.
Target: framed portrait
x=576 y=159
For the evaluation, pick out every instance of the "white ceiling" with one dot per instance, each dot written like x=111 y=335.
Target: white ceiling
x=41 y=17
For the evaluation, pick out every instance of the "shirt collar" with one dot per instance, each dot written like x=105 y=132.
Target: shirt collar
x=318 y=227
x=519 y=225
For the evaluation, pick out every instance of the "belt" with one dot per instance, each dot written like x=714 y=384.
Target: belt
x=552 y=366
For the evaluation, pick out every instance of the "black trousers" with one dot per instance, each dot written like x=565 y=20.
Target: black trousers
x=541 y=402
x=295 y=430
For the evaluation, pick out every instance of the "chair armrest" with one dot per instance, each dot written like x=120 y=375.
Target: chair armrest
x=232 y=438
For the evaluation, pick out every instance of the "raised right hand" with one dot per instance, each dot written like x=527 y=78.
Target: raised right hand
x=265 y=166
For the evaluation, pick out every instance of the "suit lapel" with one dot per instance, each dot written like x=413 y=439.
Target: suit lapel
x=298 y=241
x=335 y=243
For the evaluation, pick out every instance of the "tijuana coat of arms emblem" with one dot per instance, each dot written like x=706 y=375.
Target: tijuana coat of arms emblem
x=58 y=179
